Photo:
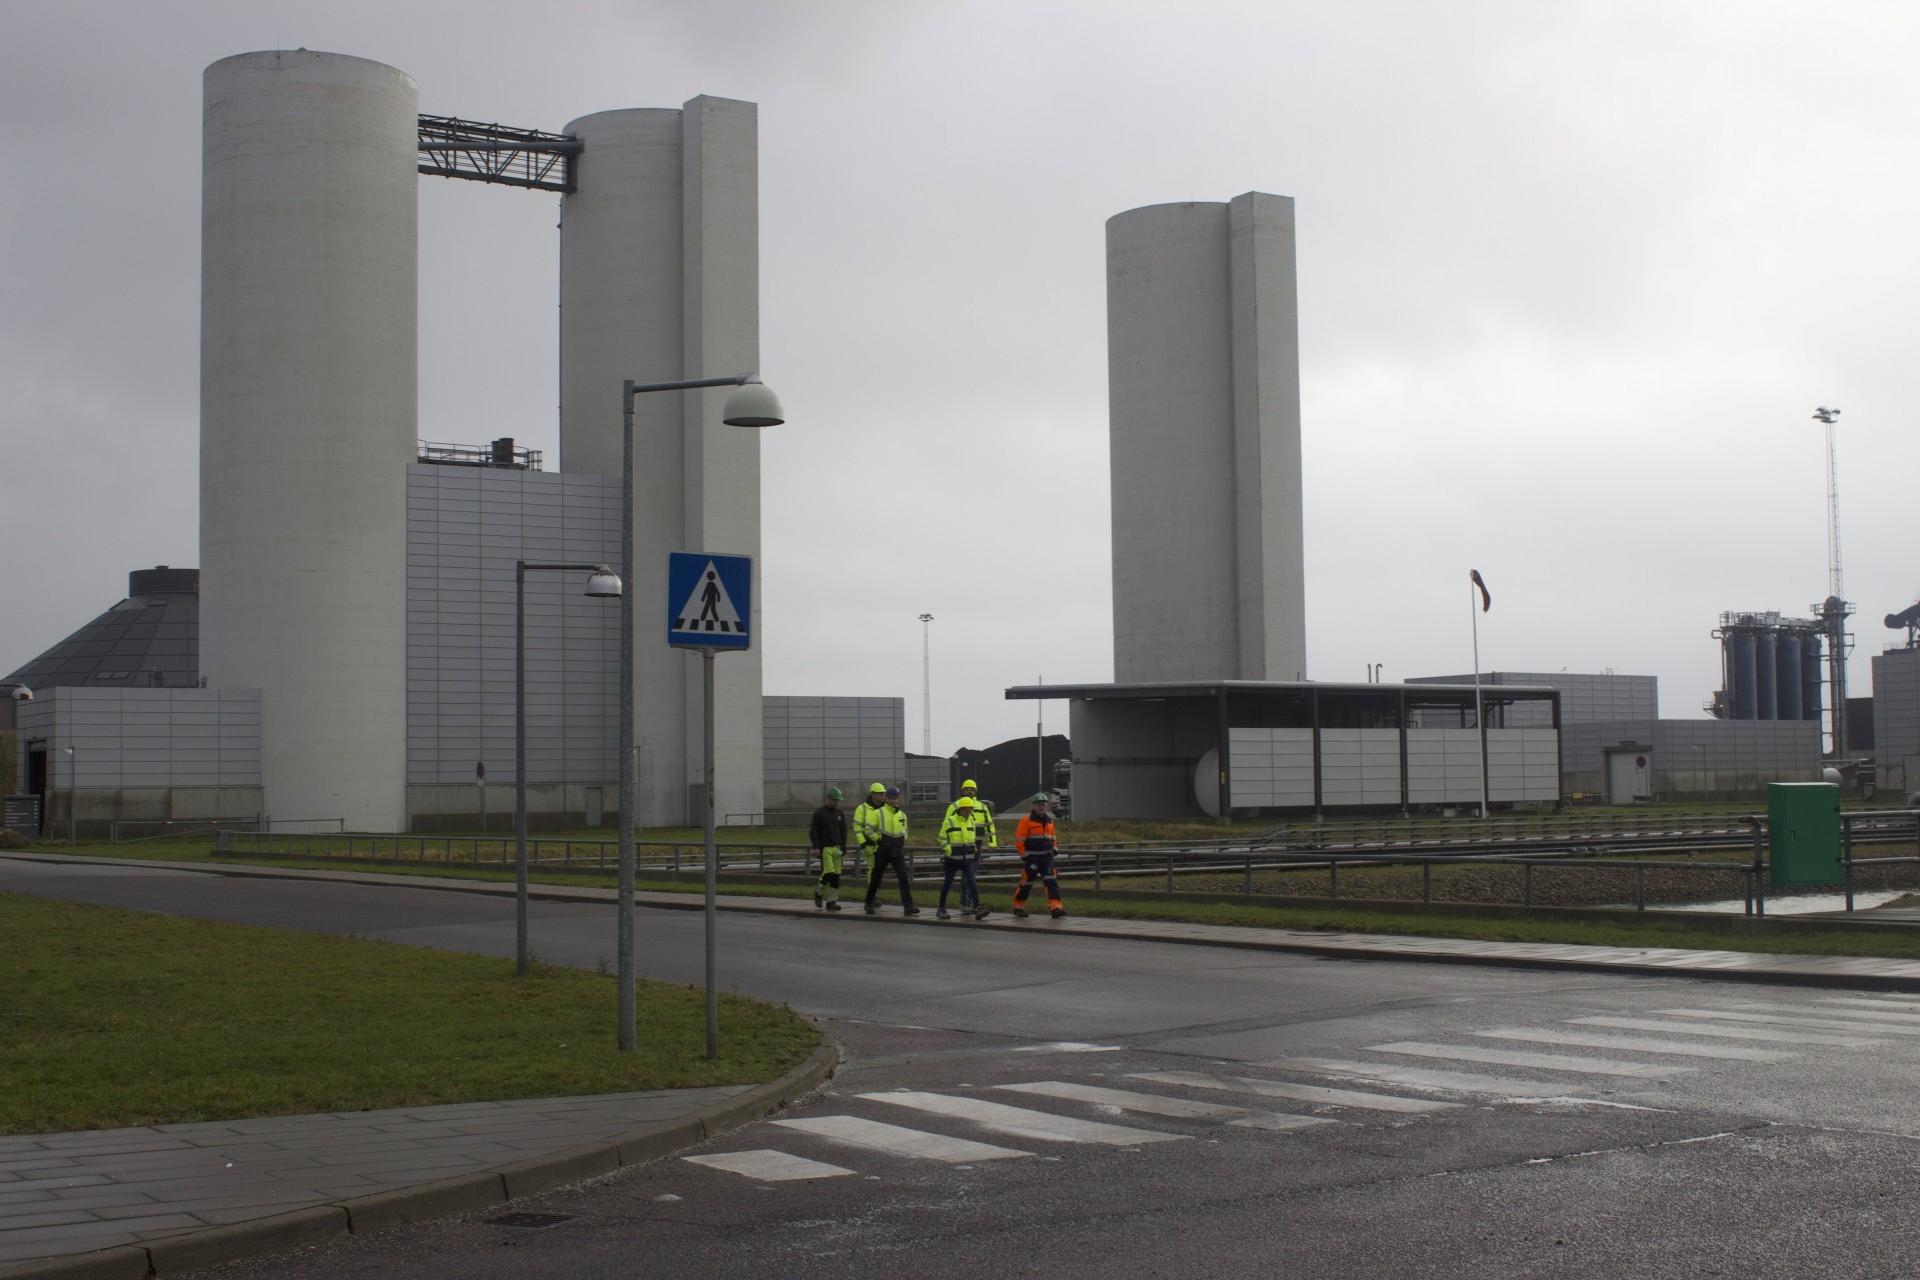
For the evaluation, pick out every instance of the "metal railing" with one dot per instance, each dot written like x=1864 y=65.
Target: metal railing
x=1165 y=865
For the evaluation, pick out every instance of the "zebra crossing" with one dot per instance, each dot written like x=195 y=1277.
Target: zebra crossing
x=1300 y=1098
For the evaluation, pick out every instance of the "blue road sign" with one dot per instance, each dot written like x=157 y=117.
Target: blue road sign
x=709 y=601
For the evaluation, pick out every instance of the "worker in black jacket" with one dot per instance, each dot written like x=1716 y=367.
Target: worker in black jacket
x=827 y=836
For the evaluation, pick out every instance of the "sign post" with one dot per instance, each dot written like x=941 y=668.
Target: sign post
x=709 y=608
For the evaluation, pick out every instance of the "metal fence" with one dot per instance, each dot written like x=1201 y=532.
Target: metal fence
x=1165 y=865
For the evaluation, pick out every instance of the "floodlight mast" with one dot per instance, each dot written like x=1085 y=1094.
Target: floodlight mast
x=1836 y=583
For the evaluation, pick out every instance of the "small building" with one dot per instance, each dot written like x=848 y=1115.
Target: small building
x=1175 y=749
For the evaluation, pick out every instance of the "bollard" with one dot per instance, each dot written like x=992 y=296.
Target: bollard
x=1846 y=858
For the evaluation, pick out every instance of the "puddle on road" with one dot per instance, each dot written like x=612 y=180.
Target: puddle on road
x=1794 y=904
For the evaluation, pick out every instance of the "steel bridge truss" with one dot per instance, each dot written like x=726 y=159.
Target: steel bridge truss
x=451 y=148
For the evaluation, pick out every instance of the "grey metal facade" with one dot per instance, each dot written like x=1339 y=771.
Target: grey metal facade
x=466 y=526
x=1701 y=759
x=1583 y=696
x=1896 y=718
x=815 y=743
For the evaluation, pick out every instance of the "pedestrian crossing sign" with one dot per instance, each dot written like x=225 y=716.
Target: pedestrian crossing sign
x=709 y=600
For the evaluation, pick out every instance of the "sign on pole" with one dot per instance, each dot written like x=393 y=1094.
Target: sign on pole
x=709 y=601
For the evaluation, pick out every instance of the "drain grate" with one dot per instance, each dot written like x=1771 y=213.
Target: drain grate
x=530 y=1221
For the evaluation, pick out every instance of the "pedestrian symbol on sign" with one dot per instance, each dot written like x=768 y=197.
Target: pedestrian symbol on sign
x=709 y=609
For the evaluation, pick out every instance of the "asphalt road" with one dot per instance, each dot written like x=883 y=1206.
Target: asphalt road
x=1086 y=1107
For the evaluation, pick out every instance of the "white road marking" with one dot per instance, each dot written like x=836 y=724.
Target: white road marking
x=1022 y=1122
x=1635 y=1044
x=1779 y=1020
x=1885 y=999
x=1067 y=1046
x=1767 y=1034
x=1313 y=1093
x=769 y=1166
x=1149 y=1103
x=1418 y=1077
x=1903 y=1018
x=1158 y=1104
x=896 y=1141
x=1537 y=1061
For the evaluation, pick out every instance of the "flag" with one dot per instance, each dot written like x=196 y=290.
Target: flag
x=1486 y=601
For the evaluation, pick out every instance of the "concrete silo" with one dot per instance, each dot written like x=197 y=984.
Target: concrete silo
x=659 y=281
x=1204 y=402
x=307 y=419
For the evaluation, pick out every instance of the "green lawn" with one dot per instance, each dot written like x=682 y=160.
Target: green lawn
x=112 y=1018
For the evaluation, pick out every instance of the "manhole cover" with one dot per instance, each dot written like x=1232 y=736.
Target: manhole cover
x=530 y=1221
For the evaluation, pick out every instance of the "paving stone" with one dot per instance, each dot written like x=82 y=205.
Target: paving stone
x=53 y=1218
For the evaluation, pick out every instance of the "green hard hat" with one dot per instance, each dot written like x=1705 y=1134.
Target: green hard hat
x=833 y=793
x=878 y=788
x=1040 y=797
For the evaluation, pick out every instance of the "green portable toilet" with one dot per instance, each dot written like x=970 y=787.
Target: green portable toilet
x=1803 y=833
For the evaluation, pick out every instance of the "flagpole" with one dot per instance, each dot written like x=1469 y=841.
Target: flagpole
x=1479 y=717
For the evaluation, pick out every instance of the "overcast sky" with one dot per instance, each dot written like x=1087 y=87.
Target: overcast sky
x=1573 y=278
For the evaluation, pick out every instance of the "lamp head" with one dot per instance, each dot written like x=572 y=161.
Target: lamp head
x=753 y=404
x=22 y=694
x=604 y=584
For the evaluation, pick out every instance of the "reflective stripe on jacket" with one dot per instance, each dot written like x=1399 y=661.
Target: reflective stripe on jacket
x=1034 y=834
x=982 y=815
x=893 y=823
x=958 y=834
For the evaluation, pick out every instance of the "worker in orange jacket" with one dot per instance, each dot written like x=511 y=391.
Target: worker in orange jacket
x=1034 y=839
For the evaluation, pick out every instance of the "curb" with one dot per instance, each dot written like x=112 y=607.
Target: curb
x=192 y=1250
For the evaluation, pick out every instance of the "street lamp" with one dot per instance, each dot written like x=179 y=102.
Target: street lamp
x=752 y=404
x=926 y=685
x=602 y=584
x=73 y=796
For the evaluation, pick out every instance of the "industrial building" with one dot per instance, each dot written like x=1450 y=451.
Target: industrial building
x=1173 y=749
x=355 y=591
x=119 y=729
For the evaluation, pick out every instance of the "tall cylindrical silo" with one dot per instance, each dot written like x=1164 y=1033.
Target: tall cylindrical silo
x=659 y=281
x=1743 y=647
x=1204 y=404
x=307 y=418
x=1812 y=677
x=1766 y=674
x=1786 y=666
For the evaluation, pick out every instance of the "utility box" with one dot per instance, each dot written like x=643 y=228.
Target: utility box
x=1803 y=833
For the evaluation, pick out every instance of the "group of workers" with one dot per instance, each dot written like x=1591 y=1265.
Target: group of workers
x=966 y=833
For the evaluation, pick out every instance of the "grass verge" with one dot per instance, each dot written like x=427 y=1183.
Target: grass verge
x=111 y=1018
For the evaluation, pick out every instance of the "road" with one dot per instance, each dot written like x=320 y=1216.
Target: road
x=1018 y=1105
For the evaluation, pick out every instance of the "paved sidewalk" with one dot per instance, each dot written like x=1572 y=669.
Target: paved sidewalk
x=165 y=1199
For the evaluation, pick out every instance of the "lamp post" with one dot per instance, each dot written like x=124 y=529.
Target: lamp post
x=752 y=404
x=602 y=584
x=73 y=796
x=926 y=685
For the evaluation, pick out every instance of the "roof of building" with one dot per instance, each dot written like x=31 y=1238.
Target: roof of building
x=1211 y=688
x=151 y=639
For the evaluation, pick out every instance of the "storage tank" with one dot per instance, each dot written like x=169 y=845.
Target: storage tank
x=1765 y=675
x=1812 y=677
x=1741 y=647
x=1787 y=675
x=309 y=225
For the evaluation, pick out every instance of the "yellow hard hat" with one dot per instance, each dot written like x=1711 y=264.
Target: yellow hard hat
x=968 y=785
x=966 y=802
x=877 y=788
